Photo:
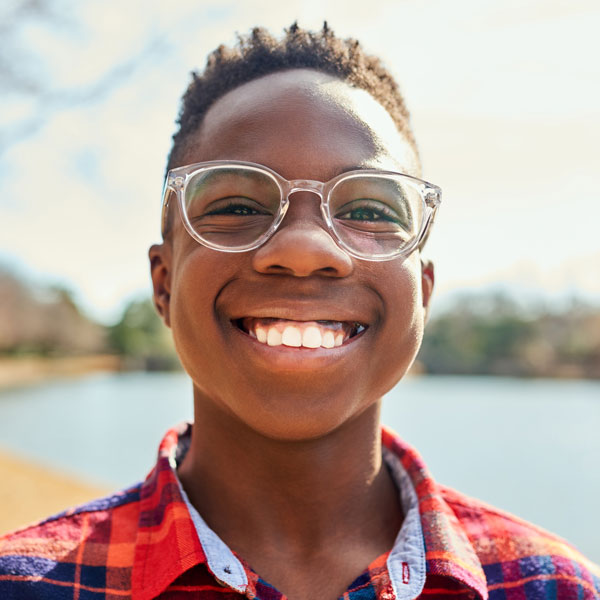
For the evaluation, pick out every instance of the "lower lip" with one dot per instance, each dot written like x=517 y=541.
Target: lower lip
x=294 y=358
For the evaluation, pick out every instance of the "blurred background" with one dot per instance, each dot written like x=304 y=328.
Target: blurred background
x=505 y=103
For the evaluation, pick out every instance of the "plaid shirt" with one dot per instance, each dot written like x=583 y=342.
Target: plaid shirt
x=148 y=542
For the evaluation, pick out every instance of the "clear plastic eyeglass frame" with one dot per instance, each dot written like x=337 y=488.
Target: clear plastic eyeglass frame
x=177 y=180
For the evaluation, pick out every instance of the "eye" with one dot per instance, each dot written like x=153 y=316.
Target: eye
x=235 y=206
x=368 y=210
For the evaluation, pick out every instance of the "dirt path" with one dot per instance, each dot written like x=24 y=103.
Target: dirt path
x=29 y=492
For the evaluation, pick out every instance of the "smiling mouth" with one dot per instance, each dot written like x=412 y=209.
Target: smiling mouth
x=299 y=334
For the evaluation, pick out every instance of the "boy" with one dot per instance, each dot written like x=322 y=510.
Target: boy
x=290 y=275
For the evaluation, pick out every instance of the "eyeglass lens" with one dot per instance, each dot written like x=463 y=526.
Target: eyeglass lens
x=231 y=207
x=372 y=214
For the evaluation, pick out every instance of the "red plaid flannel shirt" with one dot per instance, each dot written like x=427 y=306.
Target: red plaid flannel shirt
x=142 y=543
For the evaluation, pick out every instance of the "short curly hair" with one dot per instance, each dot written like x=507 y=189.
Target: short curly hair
x=259 y=54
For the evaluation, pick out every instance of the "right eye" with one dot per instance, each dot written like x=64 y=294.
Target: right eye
x=236 y=206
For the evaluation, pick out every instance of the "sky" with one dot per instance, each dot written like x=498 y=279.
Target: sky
x=504 y=97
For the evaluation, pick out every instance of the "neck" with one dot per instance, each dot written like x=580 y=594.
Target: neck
x=299 y=495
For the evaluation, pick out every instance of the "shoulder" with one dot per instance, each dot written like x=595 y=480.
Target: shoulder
x=77 y=544
x=515 y=553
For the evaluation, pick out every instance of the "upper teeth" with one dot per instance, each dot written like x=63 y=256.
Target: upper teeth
x=306 y=334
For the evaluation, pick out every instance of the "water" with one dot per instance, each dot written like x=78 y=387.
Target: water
x=531 y=447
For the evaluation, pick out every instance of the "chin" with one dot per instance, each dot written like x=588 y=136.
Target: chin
x=298 y=412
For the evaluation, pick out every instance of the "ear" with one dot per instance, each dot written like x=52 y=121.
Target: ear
x=160 y=271
x=427 y=281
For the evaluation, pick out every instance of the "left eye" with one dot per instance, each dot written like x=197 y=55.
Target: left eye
x=368 y=211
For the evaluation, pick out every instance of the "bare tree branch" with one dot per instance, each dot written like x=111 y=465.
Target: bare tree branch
x=15 y=71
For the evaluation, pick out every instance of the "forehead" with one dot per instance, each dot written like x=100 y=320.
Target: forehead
x=314 y=119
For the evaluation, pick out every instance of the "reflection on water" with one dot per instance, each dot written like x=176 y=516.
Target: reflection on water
x=528 y=446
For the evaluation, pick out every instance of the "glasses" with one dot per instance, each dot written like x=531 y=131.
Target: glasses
x=235 y=206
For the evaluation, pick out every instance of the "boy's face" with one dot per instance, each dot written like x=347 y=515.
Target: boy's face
x=304 y=125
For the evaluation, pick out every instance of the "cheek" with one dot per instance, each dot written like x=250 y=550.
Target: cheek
x=402 y=331
x=407 y=310
x=193 y=319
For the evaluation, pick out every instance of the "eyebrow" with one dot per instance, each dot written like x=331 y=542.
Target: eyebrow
x=208 y=177
x=355 y=168
x=366 y=168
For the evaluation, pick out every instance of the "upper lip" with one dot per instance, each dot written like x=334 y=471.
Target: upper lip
x=301 y=310
x=303 y=300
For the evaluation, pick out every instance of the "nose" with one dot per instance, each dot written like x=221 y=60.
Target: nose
x=302 y=247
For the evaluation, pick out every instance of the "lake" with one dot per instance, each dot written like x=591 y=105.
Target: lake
x=531 y=447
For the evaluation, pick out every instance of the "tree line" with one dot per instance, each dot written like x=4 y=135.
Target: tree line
x=479 y=334
x=494 y=335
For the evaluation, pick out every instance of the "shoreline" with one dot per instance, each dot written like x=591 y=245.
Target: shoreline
x=31 y=370
x=19 y=371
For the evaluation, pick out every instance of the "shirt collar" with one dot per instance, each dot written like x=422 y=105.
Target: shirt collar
x=167 y=544
x=172 y=537
x=448 y=551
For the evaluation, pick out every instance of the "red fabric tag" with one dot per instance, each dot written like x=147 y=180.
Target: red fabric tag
x=405 y=573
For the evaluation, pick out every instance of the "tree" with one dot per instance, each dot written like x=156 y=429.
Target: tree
x=141 y=337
